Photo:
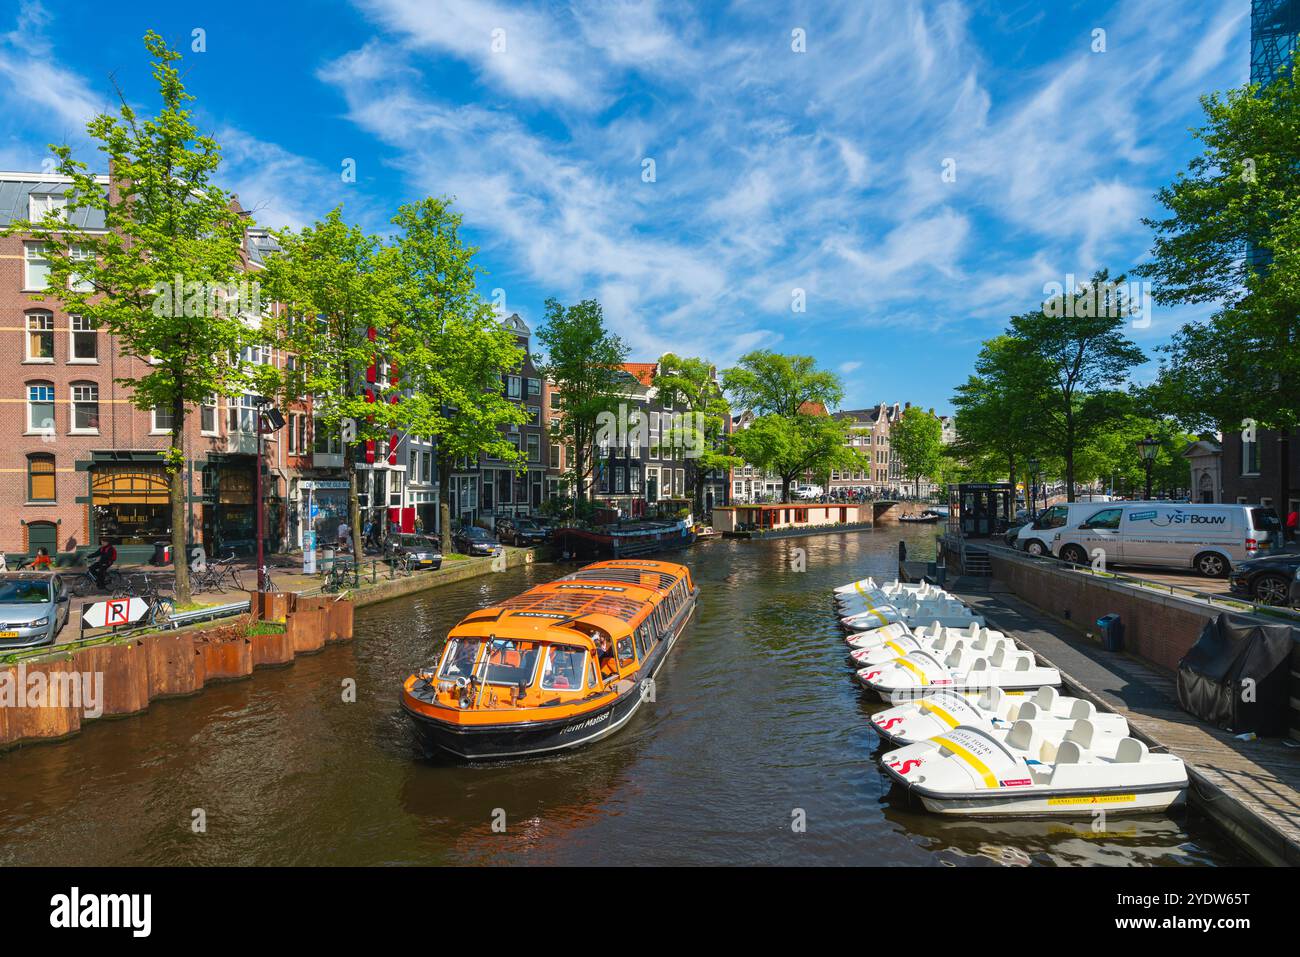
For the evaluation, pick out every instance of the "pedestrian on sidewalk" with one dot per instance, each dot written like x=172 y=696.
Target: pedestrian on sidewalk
x=1292 y=521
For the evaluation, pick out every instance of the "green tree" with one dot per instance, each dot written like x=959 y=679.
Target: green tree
x=789 y=446
x=689 y=384
x=455 y=351
x=1077 y=340
x=337 y=287
x=999 y=418
x=917 y=439
x=769 y=383
x=1232 y=237
x=161 y=278
x=583 y=361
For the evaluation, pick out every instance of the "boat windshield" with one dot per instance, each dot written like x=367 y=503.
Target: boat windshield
x=511 y=662
x=459 y=660
x=562 y=668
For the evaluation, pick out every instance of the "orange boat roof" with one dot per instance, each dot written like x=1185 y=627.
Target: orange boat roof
x=611 y=596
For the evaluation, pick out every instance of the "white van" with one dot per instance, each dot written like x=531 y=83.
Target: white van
x=1208 y=538
x=1036 y=538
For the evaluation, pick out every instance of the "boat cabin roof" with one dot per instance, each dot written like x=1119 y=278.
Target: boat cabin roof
x=611 y=597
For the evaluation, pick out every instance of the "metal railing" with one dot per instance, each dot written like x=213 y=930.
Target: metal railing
x=211 y=613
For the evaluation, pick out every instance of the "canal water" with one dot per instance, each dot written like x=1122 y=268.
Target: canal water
x=757 y=729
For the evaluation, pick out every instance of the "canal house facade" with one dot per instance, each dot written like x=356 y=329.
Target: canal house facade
x=84 y=466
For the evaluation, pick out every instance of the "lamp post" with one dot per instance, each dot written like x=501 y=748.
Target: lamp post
x=268 y=415
x=1147 y=448
x=1033 y=488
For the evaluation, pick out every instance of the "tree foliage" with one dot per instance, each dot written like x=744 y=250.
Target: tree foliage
x=917 y=439
x=689 y=384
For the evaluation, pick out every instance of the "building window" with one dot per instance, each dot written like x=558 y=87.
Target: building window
x=40 y=337
x=40 y=478
x=163 y=420
x=534 y=414
x=426 y=466
x=242 y=414
x=634 y=481
x=555 y=456
x=77 y=284
x=1249 y=458
x=37 y=274
x=85 y=407
x=208 y=416
x=534 y=387
x=555 y=401
x=619 y=487
x=534 y=447
x=512 y=386
x=41 y=204
x=40 y=408
x=84 y=345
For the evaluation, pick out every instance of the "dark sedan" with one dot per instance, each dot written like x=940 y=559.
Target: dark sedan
x=472 y=540
x=1266 y=579
x=421 y=550
x=520 y=531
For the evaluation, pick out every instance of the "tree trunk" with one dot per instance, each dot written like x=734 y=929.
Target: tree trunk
x=180 y=508
x=354 y=509
x=444 y=503
x=1069 y=462
x=785 y=488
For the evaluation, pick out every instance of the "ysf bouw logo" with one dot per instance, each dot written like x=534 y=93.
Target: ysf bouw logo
x=76 y=910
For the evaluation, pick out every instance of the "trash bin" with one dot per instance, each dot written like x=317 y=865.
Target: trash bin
x=326 y=559
x=162 y=554
x=1112 y=632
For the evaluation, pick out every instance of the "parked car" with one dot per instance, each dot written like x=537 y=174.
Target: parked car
x=422 y=551
x=1295 y=590
x=1036 y=537
x=1267 y=579
x=33 y=609
x=1212 y=539
x=472 y=540
x=520 y=531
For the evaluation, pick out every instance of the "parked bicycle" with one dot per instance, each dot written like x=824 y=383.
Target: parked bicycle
x=161 y=607
x=268 y=583
x=342 y=575
x=218 y=574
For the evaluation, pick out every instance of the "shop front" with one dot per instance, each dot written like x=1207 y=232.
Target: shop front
x=229 y=512
x=130 y=504
x=323 y=507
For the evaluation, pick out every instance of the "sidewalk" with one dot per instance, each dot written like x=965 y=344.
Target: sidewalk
x=288 y=577
x=1251 y=789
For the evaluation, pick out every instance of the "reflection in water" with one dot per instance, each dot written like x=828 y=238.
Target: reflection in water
x=757 y=722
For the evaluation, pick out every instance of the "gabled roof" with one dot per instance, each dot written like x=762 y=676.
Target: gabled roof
x=643 y=371
x=15 y=188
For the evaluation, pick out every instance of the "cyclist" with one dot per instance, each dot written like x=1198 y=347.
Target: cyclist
x=104 y=559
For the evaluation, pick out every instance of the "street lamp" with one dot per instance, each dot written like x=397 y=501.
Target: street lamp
x=1033 y=488
x=1147 y=448
x=267 y=415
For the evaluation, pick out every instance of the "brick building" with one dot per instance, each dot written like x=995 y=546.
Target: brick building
x=84 y=465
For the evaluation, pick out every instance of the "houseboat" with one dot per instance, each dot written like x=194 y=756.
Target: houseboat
x=624 y=539
x=564 y=664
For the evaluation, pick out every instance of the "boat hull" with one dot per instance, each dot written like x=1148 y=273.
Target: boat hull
x=1056 y=805
x=538 y=738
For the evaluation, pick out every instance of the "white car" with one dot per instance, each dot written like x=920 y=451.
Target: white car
x=809 y=491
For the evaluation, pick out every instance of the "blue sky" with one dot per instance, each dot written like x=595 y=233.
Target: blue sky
x=774 y=170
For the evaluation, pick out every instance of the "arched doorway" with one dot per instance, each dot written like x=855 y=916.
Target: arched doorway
x=1206 y=489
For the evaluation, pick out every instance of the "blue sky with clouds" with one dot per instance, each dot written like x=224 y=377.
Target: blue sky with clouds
x=774 y=170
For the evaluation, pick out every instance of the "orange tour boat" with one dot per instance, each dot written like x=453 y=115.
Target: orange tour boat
x=561 y=665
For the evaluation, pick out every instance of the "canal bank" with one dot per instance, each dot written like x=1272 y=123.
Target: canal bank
x=757 y=749
x=1248 y=789
x=49 y=695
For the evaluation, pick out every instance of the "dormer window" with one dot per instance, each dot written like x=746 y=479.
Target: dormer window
x=39 y=205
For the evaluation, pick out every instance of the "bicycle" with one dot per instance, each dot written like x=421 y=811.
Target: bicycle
x=268 y=583
x=217 y=574
x=161 y=607
x=342 y=575
x=115 y=584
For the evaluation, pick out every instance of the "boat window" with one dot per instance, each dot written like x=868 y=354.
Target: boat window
x=562 y=668
x=459 y=659
x=592 y=679
x=626 y=653
x=643 y=643
x=511 y=662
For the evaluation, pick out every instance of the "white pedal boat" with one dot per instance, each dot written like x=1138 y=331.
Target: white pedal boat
x=920 y=673
x=877 y=636
x=985 y=644
x=948 y=614
x=995 y=711
x=969 y=771
x=894 y=587
x=856 y=603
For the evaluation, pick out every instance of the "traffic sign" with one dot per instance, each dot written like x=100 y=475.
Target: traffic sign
x=114 y=612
